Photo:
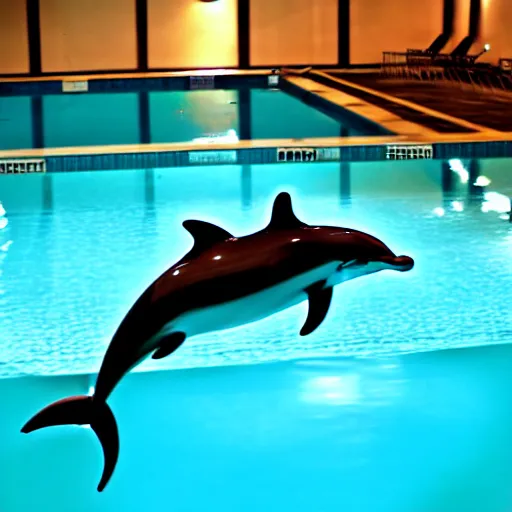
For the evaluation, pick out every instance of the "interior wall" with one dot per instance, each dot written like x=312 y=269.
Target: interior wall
x=13 y=37
x=101 y=35
x=393 y=25
x=87 y=35
x=493 y=29
x=192 y=34
x=496 y=16
x=288 y=32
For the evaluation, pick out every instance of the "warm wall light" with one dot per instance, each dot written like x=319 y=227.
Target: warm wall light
x=207 y=1
x=485 y=49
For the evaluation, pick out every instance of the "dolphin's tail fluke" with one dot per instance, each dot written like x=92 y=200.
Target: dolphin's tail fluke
x=83 y=410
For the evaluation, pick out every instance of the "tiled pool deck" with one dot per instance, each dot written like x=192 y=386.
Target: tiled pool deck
x=490 y=108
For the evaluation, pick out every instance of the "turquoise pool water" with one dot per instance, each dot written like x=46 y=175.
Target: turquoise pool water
x=81 y=247
x=366 y=414
x=66 y=120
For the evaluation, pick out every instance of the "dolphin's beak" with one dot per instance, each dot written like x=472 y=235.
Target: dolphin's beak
x=402 y=263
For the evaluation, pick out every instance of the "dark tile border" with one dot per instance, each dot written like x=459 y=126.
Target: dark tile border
x=498 y=149
x=113 y=85
x=255 y=156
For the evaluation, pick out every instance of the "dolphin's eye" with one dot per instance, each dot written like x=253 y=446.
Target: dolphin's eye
x=340 y=267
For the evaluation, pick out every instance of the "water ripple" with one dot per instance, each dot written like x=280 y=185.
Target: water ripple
x=69 y=277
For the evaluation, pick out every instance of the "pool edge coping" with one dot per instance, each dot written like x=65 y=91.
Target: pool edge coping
x=138 y=75
x=320 y=142
x=358 y=107
x=476 y=146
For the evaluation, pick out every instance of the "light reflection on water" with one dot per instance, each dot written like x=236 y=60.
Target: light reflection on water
x=425 y=432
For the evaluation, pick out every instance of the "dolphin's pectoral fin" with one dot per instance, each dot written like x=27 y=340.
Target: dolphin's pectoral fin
x=169 y=344
x=319 y=303
x=282 y=214
x=205 y=235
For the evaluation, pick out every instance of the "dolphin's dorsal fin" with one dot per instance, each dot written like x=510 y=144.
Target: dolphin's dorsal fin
x=282 y=214
x=205 y=236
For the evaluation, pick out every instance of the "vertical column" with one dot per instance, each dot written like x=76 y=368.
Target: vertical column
x=243 y=34
x=34 y=37
x=475 y=15
x=448 y=20
x=141 y=17
x=344 y=33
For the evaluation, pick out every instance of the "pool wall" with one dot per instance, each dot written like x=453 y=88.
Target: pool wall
x=287 y=152
x=308 y=436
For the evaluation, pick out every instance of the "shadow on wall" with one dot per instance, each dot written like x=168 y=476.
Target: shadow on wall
x=397 y=25
x=495 y=29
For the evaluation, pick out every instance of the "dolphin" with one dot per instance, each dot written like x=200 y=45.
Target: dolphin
x=222 y=282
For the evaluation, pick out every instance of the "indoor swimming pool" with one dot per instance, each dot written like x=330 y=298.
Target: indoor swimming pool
x=223 y=115
x=371 y=412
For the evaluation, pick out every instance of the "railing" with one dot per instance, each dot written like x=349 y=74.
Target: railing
x=462 y=71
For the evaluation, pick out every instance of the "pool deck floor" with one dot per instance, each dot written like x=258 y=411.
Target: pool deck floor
x=483 y=108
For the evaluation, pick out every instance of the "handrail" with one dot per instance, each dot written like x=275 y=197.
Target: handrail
x=463 y=71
